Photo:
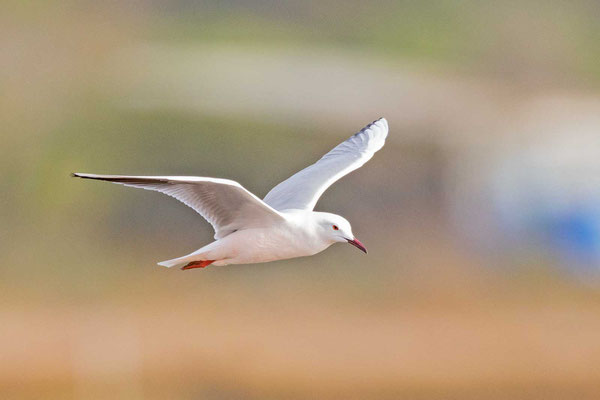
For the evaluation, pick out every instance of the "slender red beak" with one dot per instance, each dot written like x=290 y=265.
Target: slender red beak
x=356 y=243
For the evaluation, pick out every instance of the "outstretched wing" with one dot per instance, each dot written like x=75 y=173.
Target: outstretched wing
x=222 y=202
x=302 y=190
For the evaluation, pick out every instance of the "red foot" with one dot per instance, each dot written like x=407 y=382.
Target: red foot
x=198 y=264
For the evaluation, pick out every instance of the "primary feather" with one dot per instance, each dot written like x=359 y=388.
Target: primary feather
x=226 y=204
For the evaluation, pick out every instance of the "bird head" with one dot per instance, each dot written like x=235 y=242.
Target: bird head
x=336 y=228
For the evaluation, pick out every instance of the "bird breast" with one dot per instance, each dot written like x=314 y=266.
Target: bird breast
x=263 y=245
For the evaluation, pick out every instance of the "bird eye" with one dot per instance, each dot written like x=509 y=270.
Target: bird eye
x=335 y=228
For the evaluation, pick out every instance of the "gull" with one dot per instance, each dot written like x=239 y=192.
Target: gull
x=281 y=226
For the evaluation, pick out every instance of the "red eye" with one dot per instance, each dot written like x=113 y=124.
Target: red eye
x=335 y=228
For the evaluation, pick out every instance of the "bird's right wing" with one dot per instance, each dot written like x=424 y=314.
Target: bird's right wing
x=224 y=203
x=302 y=190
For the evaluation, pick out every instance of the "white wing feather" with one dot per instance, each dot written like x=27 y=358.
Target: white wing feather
x=226 y=204
x=302 y=190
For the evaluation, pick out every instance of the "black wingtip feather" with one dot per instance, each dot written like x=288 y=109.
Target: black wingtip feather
x=124 y=179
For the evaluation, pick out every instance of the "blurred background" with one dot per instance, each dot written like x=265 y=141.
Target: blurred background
x=481 y=214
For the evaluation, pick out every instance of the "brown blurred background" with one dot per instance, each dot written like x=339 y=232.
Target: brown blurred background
x=481 y=214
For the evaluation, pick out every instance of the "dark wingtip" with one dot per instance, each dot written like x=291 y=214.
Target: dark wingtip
x=74 y=175
x=374 y=122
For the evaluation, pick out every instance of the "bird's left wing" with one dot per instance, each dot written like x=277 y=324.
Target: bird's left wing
x=302 y=190
x=226 y=204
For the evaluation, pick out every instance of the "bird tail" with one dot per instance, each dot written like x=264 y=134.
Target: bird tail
x=175 y=262
x=198 y=255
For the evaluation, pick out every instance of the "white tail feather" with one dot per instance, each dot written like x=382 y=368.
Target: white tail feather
x=176 y=262
x=198 y=255
x=180 y=261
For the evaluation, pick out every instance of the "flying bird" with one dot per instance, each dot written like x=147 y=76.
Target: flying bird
x=282 y=225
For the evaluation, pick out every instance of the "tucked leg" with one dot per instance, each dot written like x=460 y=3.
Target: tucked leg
x=198 y=264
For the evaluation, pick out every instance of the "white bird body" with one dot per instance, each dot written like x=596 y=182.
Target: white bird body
x=283 y=225
x=296 y=236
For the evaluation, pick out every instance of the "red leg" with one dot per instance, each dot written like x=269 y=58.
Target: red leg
x=198 y=264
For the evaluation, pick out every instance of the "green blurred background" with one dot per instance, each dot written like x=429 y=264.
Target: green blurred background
x=481 y=214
